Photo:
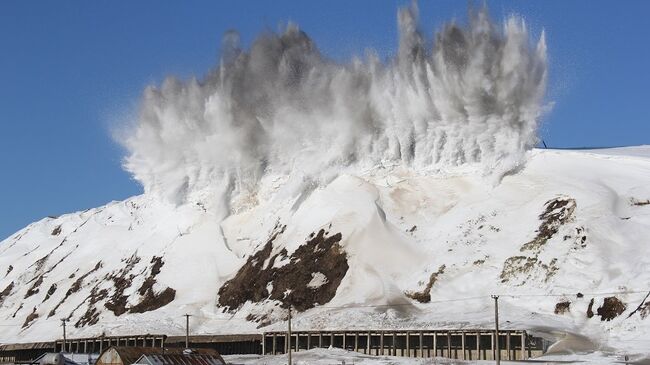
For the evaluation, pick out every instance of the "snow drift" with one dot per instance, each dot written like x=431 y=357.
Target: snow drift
x=472 y=95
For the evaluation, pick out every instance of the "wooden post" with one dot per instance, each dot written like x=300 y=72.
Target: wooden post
x=478 y=345
x=368 y=345
x=308 y=340
x=435 y=344
x=64 y=337
x=421 y=339
x=462 y=345
x=394 y=351
x=381 y=343
x=297 y=342
x=523 y=345
x=449 y=345
x=273 y=345
x=496 y=325
x=187 y=331
x=263 y=343
x=289 y=338
x=408 y=344
x=320 y=339
x=508 y=345
x=356 y=342
x=344 y=343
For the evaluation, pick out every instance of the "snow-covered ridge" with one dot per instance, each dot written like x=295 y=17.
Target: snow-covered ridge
x=569 y=222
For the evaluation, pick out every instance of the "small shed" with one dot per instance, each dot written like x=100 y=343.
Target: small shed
x=118 y=355
x=188 y=357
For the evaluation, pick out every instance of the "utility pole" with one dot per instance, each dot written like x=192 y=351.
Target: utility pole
x=289 y=337
x=63 y=320
x=496 y=322
x=187 y=331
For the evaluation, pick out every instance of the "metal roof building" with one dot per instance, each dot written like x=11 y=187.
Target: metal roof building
x=131 y=355
x=182 y=359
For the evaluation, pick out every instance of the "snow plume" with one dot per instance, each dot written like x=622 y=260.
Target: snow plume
x=471 y=96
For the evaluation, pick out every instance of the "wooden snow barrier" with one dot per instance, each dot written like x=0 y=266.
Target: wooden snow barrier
x=454 y=344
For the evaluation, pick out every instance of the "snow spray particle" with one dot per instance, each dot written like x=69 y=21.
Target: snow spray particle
x=471 y=96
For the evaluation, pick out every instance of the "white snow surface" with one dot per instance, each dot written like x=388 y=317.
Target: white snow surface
x=334 y=356
x=469 y=225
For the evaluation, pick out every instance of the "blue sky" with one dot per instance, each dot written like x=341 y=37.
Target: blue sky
x=70 y=70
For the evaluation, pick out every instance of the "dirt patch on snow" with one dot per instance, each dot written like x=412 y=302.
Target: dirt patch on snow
x=50 y=292
x=38 y=264
x=56 y=231
x=639 y=203
x=557 y=212
x=424 y=296
x=590 y=308
x=122 y=280
x=644 y=310
x=75 y=287
x=562 y=307
x=612 y=307
x=9 y=270
x=91 y=316
x=525 y=268
x=258 y=279
x=38 y=280
x=30 y=318
x=150 y=299
x=6 y=292
x=17 y=310
x=34 y=288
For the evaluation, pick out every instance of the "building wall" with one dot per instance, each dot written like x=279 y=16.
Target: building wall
x=110 y=357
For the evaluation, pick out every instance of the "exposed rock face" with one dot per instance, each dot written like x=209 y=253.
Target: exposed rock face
x=6 y=292
x=150 y=299
x=590 y=308
x=562 y=307
x=122 y=279
x=50 y=292
x=525 y=268
x=75 y=287
x=30 y=318
x=424 y=296
x=261 y=279
x=557 y=212
x=612 y=307
x=91 y=316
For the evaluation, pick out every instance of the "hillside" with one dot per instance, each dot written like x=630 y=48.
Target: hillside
x=389 y=246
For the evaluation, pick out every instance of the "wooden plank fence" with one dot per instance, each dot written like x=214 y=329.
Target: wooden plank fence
x=455 y=344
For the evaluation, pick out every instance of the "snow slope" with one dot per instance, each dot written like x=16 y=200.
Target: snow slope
x=416 y=249
x=339 y=356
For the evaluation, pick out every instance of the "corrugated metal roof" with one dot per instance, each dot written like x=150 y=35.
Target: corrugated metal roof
x=214 y=338
x=27 y=346
x=129 y=355
x=181 y=359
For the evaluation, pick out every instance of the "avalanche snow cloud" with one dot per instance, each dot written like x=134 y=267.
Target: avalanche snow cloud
x=471 y=96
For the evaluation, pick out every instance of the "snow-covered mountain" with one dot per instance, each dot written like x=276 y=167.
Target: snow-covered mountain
x=433 y=246
x=373 y=194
